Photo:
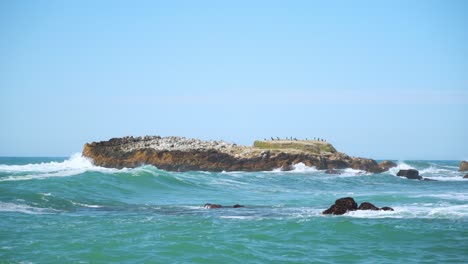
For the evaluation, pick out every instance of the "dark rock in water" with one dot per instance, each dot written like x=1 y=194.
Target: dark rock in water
x=427 y=179
x=212 y=206
x=368 y=206
x=466 y=176
x=387 y=164
x=336 y=210
x=332 y=171
x=347 y=202
x=410 y=174
x=463 y=166
x=215 y=206
x=342 y=206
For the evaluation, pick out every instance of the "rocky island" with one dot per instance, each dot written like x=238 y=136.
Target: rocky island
x=185 y=154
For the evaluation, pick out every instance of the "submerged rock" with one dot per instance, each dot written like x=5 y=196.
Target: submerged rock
x=410 y=174
x=344 y=205
x=466 y=176
x=332 y=171
x=463 y=166
x=212 y=206
x=185 y=154
x=216 y=206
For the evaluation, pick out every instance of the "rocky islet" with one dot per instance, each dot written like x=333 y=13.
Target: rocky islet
x=185 y=154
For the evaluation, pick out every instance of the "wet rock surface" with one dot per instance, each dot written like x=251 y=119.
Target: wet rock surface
x=387 y=164
x=216 y=206
x=410 y=174
x=463 y=166
x=185 y=154
x=347 y=204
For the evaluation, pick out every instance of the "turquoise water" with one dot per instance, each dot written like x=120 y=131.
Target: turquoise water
x=56 y=210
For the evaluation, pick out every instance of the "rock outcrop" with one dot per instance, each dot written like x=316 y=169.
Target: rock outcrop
x=387 y=164
x=216 y=206
x=410 y=174
x=466 y=176
x=347 y=204
x=368 y=206
x=463 y=166
x=184 y=154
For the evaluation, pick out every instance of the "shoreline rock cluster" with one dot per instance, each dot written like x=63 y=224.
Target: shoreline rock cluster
x=185 y=154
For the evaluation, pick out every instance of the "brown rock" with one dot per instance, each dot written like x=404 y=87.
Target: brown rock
x=387 y=164
x=184 y=154
x=342 y=206
x=336 y=210
x=463 y=166
x=212 y=206
x=368 y=206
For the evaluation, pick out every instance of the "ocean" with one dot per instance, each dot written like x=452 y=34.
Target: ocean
x=65 y=210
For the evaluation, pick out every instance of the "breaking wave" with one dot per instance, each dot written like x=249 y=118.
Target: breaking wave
x=75 y=165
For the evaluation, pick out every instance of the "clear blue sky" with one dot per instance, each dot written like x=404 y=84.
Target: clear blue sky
x=380 y=79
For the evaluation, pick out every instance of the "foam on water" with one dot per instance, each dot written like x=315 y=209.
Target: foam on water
x=301 y=167
x=400 y=166
x=425 y=210
x=23 y=208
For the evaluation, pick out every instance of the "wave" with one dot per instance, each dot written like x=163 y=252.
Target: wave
x=76 y=161
x=75 y=165
x=400 y=166
x=301 y=167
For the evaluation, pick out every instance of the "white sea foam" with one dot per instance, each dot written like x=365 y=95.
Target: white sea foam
x=400 y=166
x=446 y=196
x=301 y=167
x=23 y=208
x=87 y=205
x=427 y=210
x=298 y=167
x=444 y=178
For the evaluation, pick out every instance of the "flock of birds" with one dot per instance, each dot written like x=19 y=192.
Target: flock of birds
x=295 y=139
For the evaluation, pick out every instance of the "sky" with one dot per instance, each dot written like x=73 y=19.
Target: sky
x=377 y=79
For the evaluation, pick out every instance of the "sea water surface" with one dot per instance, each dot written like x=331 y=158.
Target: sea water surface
x=65 y=210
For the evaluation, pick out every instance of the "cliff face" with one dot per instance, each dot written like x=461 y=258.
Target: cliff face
x=182 y=154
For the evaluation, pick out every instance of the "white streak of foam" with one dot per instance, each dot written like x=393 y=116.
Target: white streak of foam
x=430 y=211
x=23 y=208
